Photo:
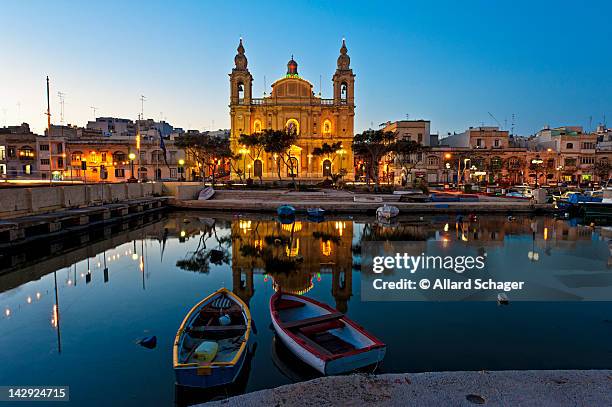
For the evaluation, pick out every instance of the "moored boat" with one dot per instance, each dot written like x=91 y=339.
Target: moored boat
x=285 y=210
x=211 y=344
x=321 y=336
x=387 y=211
x=315 y=212
x=206 y=194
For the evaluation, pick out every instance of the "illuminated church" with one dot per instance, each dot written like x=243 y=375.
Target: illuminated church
x=293 y=104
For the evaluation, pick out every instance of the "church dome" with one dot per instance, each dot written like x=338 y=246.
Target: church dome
x=292 y=67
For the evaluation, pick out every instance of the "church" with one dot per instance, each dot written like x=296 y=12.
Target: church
x=292 y=104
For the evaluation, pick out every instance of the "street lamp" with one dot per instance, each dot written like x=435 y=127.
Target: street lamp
x=249 y=167
x=132 y=156
x=181 y=163
x=536 y=162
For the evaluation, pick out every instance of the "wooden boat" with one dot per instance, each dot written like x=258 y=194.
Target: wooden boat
x=315 y=212
x=321 y=336
x=387 y=211
x=206 y=193
x=285 y=210
x=211 y=344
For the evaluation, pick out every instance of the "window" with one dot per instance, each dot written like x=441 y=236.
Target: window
x=432 y=160
x=327 y=128
x=27 y=169
x=44 y=161
x=119 y=157
x=569 y=146
x=173 y=173
x=11 y=152
x=44 y=147
x=293 y=125
x=478 y=143
x=104 y=157
x=2 y=153
x=496 y=142
x=327 y=168
x=172 y=156
x=103 y=172
x=26 y=153
x=257 y=126
x=76 y=156
x=588 y=146
x=60 y=148
x=258 y=168
x=587 y=160
x=343 y=92
x=119 y=173
x=496 y=163
x=60 y=162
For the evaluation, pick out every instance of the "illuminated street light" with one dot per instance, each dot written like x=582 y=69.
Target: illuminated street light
x=132 y=156
x=181 y=163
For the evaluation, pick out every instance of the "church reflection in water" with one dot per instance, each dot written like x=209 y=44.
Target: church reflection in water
x=293 y=256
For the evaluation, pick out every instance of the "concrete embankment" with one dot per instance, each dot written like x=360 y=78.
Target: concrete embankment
x=343 y=202
x=503 y=388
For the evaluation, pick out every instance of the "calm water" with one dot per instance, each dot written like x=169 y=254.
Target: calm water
x=157 y=269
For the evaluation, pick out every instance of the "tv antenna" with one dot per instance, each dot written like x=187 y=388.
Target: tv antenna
x=142 y=100
x=94 y=111
x=61 y=96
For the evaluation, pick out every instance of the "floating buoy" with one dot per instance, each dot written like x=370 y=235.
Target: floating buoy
x=502 y=299
x=148 y=342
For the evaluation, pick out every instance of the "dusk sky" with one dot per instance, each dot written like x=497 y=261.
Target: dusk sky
x=448 y=62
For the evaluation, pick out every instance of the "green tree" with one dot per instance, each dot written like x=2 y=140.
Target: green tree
x=279 y=142
x=602 y=169
x=205 y=150
x=373 y=145
x=255 y=144
x=407 y=154
x=327 y=151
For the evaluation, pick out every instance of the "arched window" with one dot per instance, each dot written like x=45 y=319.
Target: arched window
x=240 y=91
x=257 y=126
x=293 y=125
x=327 y=168
x=258 y=168
x=570 y=146
x=343 y=91
x=293 y=167
x=496 y=163
x=327 y=128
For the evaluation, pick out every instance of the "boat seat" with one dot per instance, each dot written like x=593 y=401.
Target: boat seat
x=322 y=327
x=218 y=328
x=288 y=304
x=312 y=321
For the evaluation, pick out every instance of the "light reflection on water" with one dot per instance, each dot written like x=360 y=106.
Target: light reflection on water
x=130 y=282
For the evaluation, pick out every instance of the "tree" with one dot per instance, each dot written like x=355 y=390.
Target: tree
x=407 y=154
x=373 y=145
x=205 y=150
x=255 y=145
x=602 y=169
x=328 y=151
x=279 y=143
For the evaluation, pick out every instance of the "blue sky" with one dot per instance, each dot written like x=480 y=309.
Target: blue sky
x=548 y=62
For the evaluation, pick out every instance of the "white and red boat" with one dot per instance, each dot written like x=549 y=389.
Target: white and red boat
x=321 y=336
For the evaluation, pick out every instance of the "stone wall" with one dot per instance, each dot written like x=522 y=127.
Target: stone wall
x=27 y=201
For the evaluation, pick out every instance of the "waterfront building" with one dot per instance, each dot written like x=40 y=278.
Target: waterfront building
x=113 y=126
x=292 y=104
x=18 y=156
x=414 y=130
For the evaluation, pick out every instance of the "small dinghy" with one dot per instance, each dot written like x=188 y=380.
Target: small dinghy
x=387 y=211
x=206 y=194
x=285 y=210
x=315 y=212
x=211 y=345
x=321 y=336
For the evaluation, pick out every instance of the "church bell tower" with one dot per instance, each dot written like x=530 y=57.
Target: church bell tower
x=344 y=79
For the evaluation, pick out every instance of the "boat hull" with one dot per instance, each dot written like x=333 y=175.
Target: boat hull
x=217 y=376
x=204 y=375
x=336 y=364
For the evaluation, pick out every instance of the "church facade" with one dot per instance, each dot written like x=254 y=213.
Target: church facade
x=292 y=104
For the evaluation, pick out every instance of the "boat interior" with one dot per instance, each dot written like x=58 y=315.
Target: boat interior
x=323 y=330
x=206 y=325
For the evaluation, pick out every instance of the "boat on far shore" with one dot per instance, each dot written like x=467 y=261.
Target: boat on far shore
x=206 y=194
x=285 y=211
x=315 y=212
x=387 y=211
